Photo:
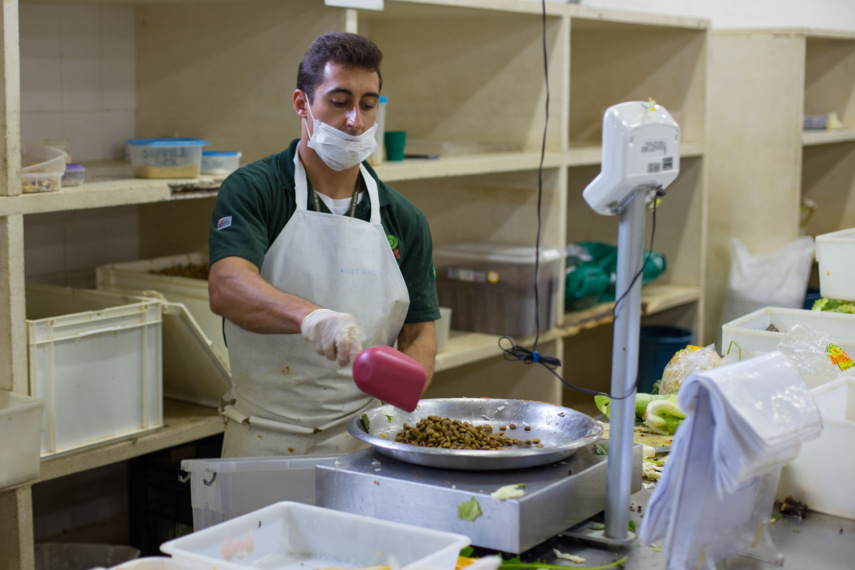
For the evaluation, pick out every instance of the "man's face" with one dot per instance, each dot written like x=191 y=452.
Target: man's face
x=347 y=99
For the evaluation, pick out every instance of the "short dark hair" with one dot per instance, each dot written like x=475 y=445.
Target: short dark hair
x=350 y=50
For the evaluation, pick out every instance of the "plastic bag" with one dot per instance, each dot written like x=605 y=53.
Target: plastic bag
x=777 y=279
x=686 y=362
x=808 y=348
x=592 y=272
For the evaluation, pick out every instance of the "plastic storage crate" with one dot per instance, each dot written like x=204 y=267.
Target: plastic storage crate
x=821 y=476
x=490 y=287
x=20 y=432
x=136 y=277
x=222 y=489
x=835 y=253
x=80 y=556
x=749 y=331
x=294 y=535
x=95 y=361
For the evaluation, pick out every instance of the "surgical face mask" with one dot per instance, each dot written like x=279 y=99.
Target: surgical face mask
x=338 y=149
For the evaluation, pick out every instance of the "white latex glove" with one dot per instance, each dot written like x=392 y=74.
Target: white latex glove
x=334 y=335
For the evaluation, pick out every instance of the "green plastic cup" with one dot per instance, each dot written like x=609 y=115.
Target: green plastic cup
x=395 y=142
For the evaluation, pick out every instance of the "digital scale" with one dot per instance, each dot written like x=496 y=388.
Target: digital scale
x=557 y=496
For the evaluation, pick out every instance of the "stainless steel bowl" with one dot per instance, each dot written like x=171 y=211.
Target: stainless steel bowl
x=561 y=431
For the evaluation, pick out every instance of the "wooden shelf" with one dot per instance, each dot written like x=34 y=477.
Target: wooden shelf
x=182 y=423
x=811 y=138
x=465 y=165
x=654 y=299
x=468 y=347
x=582 y=154
x=109 y=184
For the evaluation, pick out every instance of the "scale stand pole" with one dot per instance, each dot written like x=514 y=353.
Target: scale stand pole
x=624 y=368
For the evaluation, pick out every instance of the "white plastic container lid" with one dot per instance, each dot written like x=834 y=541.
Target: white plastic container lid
x=221 y=153
x=37 y=158
x=485 y=251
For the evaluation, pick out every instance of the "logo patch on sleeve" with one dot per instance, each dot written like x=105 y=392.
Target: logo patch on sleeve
x=223 y=223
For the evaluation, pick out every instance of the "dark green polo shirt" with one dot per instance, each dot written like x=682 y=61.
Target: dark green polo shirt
x=257 y=200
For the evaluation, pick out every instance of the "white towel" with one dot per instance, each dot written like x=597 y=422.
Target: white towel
x=744 y=422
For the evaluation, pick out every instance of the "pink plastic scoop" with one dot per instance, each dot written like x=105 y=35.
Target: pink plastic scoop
x=389 y=375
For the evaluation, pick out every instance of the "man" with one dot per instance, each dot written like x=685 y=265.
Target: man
x=312 y=259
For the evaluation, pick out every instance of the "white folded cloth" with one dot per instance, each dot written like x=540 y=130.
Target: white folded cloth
x=744 y=422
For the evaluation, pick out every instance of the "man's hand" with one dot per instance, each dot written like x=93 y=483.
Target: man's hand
x=334 y=335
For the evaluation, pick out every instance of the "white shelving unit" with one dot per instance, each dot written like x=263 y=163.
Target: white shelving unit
x=763 y=82
x=466 y=74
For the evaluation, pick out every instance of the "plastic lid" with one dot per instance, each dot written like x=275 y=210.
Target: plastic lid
x=384 y=99
x=484 y=251
x=167 y=142
x=220 y=153
x=74 y=167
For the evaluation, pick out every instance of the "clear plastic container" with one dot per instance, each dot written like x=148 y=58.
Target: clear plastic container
x=220 y=162
x=380 y=153
x=41 y=182
x=39 y=158
x=74 y=174
x=166 y=158
x=222 y=489
x=490 y=287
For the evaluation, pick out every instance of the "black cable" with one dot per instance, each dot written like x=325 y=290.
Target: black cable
x=540 y=183
x=520 y=353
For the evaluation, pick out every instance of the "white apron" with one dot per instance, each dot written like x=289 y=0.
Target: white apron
x=285 y=398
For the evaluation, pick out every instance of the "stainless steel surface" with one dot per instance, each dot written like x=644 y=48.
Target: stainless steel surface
x=557 y=496
x=562 y=431
x=817 y=542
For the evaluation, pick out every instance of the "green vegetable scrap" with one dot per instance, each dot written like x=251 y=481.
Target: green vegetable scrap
x=600 y=449
x=641 y=401
x=469 y=510
x=517 y=564
x=365 y=422
x=834 y=305
x=509 y=492
x=664 y=416
x=660 y=412
x=390 y=418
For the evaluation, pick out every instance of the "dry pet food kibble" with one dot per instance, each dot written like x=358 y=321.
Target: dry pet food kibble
x=435 y=431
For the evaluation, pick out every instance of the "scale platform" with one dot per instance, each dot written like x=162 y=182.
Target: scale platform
x=558 y=496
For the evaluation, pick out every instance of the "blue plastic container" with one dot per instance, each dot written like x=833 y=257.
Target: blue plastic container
x=657 y=344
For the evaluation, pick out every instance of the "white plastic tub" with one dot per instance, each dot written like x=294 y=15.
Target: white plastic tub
x=294 y=536
x=136 y=277
x=95 y=361
x=20 y=432
x=152 y=563
x=443 y=328
x=222 y=489
x=822 y=475
x=835 y=253
x=749 y=331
